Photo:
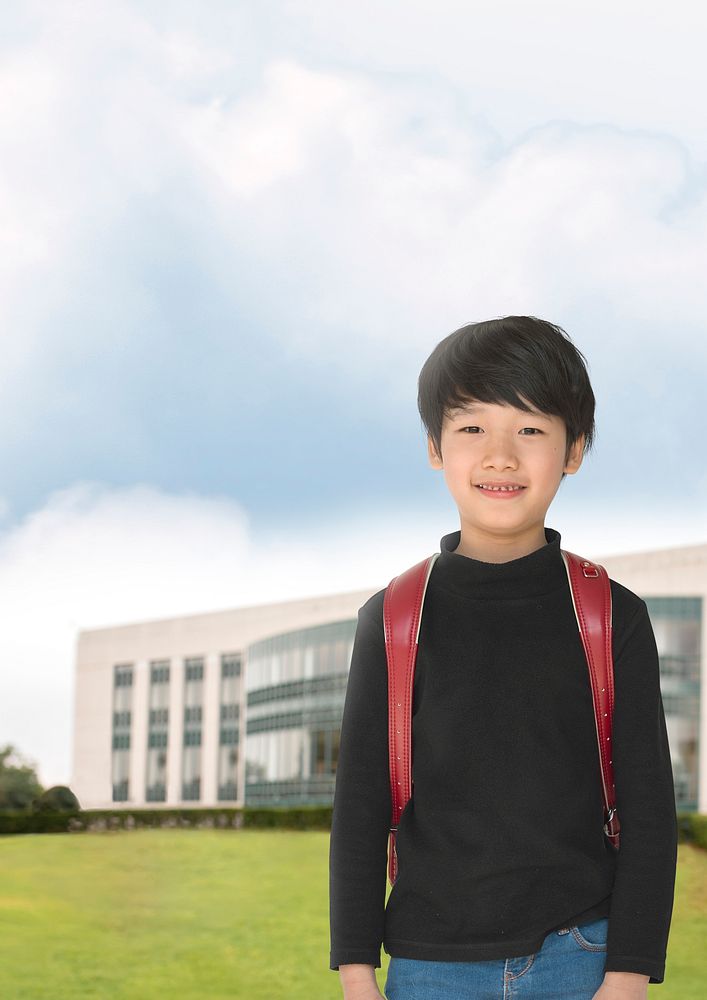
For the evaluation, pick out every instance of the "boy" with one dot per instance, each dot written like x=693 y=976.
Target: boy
x=507 y=884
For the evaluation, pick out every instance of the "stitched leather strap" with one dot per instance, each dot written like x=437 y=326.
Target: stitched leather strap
x=402 y=608
x=591 y=597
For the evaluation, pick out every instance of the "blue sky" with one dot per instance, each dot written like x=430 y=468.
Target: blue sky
x=232 y=233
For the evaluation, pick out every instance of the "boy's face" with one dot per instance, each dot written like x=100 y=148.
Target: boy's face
x=491 y=442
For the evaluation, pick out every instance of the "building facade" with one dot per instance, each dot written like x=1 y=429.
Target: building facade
x=244 y=706
x=232 y=707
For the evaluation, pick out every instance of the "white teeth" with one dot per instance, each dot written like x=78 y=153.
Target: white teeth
x=506 y=489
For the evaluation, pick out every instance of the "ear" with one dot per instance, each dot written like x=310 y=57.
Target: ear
x=435 y=460
x=575 y=457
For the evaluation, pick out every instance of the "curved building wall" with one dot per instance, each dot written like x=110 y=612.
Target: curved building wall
x=295 y=690
x=677 y=624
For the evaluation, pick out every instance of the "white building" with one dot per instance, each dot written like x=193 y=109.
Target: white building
x=244 y=706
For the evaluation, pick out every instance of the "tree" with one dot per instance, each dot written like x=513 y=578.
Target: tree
x=19 y=785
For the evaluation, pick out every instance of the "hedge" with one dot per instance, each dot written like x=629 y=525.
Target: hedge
x=71 y=821
x=692 y=826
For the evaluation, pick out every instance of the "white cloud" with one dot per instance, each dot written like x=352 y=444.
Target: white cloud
x=525 y=64
x=388 y=214
x=377 y=207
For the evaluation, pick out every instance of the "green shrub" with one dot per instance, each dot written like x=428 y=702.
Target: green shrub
x=58 y=798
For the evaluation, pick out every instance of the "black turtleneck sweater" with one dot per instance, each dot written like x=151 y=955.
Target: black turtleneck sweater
x=502 y=840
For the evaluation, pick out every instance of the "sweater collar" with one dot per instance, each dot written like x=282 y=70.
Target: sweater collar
x=538 y=572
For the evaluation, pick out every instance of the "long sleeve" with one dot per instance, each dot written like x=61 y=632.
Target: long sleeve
x=362 y=802
x=642 y=898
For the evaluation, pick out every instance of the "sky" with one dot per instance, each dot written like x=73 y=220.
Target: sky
x=231 y=235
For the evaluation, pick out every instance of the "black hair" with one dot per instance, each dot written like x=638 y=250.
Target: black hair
x=498 y=361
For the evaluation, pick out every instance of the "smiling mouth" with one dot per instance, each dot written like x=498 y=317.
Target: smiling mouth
x=499 y=489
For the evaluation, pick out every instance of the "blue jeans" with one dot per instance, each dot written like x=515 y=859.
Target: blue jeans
x=569 y=966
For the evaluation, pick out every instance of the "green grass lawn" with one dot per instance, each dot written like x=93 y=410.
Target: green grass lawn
x=213 y=914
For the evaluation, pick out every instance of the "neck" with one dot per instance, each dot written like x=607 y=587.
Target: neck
x=477 y=543
x=537 y=572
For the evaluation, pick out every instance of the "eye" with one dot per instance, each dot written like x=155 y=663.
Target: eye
x=535 y=429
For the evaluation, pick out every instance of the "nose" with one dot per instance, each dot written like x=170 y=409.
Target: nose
x=500 y=453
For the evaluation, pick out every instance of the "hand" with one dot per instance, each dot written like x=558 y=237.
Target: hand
x=623 y=986
x=359 y=982
x=363 y=992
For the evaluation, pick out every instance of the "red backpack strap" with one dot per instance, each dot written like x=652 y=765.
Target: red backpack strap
x=591 y=597
x=402 y=614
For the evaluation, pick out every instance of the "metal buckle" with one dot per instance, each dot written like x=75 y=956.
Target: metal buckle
x=609 y=818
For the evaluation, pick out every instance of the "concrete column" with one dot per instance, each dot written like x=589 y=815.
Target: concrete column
x=210 y=724
x=176 y=731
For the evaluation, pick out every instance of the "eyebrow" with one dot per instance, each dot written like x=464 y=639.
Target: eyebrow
x=475 y=408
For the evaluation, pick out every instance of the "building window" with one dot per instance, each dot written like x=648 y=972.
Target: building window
x=325 y=750
x=157 y=732
x=194 y=668
x=231 y=665
x=229 y=713
x=191 y=744
x=120 y=736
